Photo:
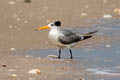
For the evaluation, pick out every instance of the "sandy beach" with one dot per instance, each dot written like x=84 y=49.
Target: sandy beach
x=18 y=19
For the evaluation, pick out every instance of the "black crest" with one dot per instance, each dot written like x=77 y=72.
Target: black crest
x=57 y=23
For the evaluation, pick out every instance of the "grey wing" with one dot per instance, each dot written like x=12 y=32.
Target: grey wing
x=67 y=32
x=69 y=39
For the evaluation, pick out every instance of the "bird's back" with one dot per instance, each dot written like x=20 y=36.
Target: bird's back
x=68 y=37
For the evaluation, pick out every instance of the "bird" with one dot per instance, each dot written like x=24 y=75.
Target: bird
x=63 y=38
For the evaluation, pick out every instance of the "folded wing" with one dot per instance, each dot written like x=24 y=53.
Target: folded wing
x=69 y=37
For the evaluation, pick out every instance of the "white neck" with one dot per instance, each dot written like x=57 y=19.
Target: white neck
x=56 y=28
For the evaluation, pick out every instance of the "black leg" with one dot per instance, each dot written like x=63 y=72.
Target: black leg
x=59 y=53
x=71 y=53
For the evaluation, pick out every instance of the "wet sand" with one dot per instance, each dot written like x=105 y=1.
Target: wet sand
x=19 y=19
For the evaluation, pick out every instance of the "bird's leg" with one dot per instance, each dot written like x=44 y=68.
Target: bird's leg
x=71 y=53
x=59 y=53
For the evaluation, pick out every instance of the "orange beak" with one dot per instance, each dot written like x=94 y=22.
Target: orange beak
x=40 y=28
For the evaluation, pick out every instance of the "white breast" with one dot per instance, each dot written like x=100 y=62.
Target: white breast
x=53 y=37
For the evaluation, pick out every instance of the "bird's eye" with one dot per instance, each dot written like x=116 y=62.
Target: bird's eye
x=52 y=25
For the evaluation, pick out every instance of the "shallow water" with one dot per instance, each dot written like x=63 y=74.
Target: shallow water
x=102 y=62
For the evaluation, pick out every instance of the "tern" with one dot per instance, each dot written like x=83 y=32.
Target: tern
x=64 y=38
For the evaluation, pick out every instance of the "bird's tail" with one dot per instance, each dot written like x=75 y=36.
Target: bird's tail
x=88 y=35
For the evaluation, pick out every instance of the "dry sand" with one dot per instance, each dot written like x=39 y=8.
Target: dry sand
x=18 y=21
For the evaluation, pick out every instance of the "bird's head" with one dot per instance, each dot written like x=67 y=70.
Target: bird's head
x=56 y=24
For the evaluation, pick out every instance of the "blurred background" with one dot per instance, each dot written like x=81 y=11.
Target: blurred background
x=23 y=49
x=19 y=18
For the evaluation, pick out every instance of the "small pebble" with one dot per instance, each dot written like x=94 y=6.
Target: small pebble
x=12 y=49
x=25 y=22
x=11 y=70
x=67 y=61
x=117 y=11
x=46 y=42
x=107 y=16
x=108 y=45
x=12 y=2
x=31 y=79
x=28 y=56
x=65 y=68
x=34 y=71
x=80 y=79
x=105 y=1
x=18 y=19
x=83 y=14
x=87 y=6
x=52 y=56
x=10 y=26
x=13 y=75
x=39 y=58
x=27 y=1
x=15 y=15
x=4 y=65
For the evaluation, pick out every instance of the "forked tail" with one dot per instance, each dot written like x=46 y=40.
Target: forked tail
x=88 y=35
